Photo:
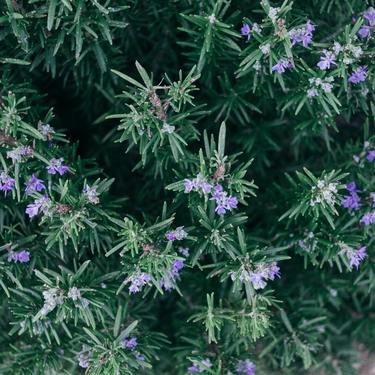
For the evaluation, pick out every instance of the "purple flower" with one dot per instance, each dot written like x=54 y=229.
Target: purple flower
x=368 y=219
x=177 y=265
x=46 y=130
x=271 y=271
x=246 y=367
x=358 y=75
x=356 y=256
x=34 y=184
x=365 y=31
x=302 y=35
x=56 y=166
x=327 y=59
x=17 y=153
x=39 y=205
x=184 y=251
x=130 y=343
x=224 y=202
x=352 y=187
x=246 y=30
x=91 y=194
x=177 y=234
x=351 y=201
x=189 y=185
x=282 y=65
x=369 y=15
x=138 y=281
x=22 y=256
x=7 y=183
x=196 y=367
x=257 y=280
x=371 y=156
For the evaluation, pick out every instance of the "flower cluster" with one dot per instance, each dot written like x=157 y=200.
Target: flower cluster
x=354 y=256
x=57 y=166
x=368 y=219
x=34 y=184
x=46 y=130
x=224 y=201
x=22 y=256
x=129 y=343
x=40 y=205
x=317 y=84
x=302 y=35
x=309 y=243
x=7 y=183
x=137 y=281
x=91 y=194
x=198 y=368
x=176 y=235
x=258 y=276
x=168 y=282
x=17 y=153
x=246 y=367
x=246 y=30
x=323 y=192
x=84 y=357
x=347 y=54
x=359 y=75
x=366 y=30
x=371 y=156
x=282 y=65
x=52 y=298
x=351 y=201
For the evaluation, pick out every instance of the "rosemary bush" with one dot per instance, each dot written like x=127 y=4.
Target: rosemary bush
x=186 y=186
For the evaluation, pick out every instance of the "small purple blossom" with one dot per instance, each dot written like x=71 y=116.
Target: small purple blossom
x=224 y=202
x=246 y=30
x=351 y=201
x=327 y=59
x=138 y=281
x=352 y=187
x=22 y=256
x=368 y=219
x=246 y=367
x=34 y=184
x=257 y=280
x=196 y=367
x=177 y=234
x=184 y=251
x=262 y=273
x=358 y=75
x=17 y=153
x=271 y=271
x=356 y=256
x=302 y=35
x=365 y=31
x=177 y=265
x=39 y=205
x=84 y=358
x=198 y=183
x=371 y=156
x=91 y=194
x=46 y=130
x=369 y=15
x=282 y=65
x=129 y=343
x=7 y=183
x=57 y=166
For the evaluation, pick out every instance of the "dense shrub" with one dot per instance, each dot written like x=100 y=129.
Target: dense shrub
x=186 y=186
